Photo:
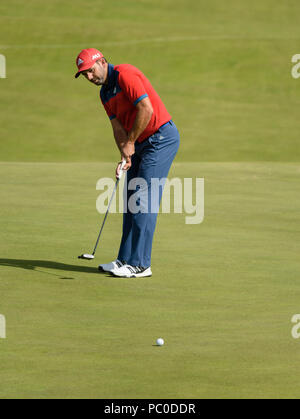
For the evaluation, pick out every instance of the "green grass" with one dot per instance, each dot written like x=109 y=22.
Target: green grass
x=222 y=295
x=223 y=292
x=223 y=70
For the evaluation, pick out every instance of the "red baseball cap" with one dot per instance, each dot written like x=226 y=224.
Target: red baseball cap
x=86 y=59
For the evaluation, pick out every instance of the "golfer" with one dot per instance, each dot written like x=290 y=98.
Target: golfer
x=147 y=139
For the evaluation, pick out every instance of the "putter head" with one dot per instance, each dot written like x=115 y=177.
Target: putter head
x=86 y=256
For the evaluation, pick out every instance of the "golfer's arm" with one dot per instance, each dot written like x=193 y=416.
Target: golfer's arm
x=142 y=119
x=121 y=136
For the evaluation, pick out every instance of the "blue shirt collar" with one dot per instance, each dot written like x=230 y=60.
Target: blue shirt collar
x=110 y=78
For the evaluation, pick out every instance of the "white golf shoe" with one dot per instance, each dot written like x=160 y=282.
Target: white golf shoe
x=109 y=267
x=128 y=271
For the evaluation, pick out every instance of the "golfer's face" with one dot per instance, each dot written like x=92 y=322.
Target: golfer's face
x=96 y=74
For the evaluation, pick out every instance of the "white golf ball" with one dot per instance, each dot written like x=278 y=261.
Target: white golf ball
x=160 y=342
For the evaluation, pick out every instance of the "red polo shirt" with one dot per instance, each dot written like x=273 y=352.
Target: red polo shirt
x=126 y=87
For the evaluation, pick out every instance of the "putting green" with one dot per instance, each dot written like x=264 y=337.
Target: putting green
x=222 y=294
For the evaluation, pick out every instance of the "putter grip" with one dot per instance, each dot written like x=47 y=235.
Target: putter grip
x=121 y=168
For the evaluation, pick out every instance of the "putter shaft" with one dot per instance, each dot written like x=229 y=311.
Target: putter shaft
x=106 y=214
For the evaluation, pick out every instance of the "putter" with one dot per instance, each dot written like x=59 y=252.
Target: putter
x=87 y=256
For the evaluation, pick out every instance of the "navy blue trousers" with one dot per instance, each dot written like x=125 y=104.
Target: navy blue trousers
x=152 y=160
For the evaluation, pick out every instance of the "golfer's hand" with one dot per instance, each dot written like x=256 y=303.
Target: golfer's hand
x=119 y=168
x=127 y=151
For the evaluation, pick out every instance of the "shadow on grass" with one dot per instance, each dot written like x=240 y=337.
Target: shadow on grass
x=33 y=264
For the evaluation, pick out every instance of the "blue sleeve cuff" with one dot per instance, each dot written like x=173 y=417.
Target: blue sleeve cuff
x=139 y=99
x=112 y=117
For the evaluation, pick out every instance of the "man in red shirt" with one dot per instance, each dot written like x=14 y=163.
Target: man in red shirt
x=147 y=139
